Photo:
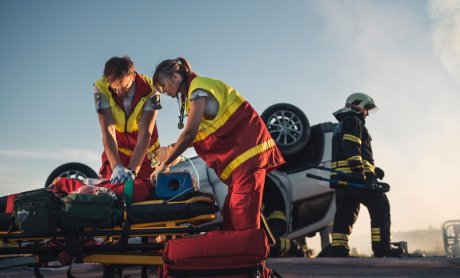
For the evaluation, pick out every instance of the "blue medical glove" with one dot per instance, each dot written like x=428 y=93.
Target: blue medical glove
x=119 y=174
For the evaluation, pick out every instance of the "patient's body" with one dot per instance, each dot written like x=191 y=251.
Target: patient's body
x=143 y=190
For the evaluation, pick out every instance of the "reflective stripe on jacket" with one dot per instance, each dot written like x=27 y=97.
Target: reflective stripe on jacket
x=127 y=126
x=236 y=136
x=351 y=150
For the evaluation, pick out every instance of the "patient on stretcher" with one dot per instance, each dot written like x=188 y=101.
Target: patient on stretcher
x=142 y=190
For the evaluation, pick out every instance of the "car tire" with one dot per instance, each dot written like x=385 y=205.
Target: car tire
x=288 y=126
x=73 y=170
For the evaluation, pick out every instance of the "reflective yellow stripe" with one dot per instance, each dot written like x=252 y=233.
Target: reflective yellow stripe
x=122 y=123
x=375 y=234
x=203 y=133
x=355 y=157
x=342 y=165
x=368 y=167
x=285 y=244
x=338 y=244
x=129 y=152
x=339 y=163
x=352 y=138
x=339 y=239
x=281 y=246
x=277 y=214
x=245 y=156
x=339 y=236
x=154 y=146
x=345 y=170
x=343 y=183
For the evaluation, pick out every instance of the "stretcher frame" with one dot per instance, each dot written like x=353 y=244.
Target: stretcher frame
x=115 y=250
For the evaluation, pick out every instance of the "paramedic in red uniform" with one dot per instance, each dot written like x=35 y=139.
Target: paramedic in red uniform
x=127 y=104
x=226 y=133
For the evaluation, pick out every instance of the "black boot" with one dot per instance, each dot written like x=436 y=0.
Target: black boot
x=334 y=251
x=390 y=252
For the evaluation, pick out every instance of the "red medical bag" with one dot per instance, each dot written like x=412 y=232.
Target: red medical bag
x=218 y=253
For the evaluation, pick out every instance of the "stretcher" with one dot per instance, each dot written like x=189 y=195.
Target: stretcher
x=138 y=240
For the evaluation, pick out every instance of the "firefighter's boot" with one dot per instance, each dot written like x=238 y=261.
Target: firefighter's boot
x=381 y=244
x=334 y=251
x=389 y=252
x=338 y=248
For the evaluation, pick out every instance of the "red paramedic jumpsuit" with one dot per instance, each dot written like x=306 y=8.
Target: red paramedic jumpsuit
x=127 y=125
x=238 y=146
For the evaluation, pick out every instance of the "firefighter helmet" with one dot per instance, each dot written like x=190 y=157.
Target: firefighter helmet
x=357 y=102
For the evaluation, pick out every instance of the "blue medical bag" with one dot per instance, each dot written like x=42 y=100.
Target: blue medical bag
x=173 y=184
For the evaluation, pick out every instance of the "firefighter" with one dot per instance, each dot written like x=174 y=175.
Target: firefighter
x=127 y=104
x=227 y=133
x=352 y=155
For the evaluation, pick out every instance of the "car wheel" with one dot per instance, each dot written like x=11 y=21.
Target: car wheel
x=288 y=126
x=73 y=170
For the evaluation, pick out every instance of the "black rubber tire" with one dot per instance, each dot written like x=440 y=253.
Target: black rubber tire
x=72 y=170
x=288 y=126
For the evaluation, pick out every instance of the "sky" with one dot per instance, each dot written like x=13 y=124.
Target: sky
x=313 y=54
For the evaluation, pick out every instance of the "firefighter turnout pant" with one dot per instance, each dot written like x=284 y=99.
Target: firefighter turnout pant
x=348 y=202
x=242 y=204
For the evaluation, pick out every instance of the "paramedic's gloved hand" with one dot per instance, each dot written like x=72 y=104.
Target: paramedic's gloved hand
x=119 y=174
x=131 y=174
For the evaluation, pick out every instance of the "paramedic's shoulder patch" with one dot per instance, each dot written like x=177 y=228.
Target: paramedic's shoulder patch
x=154 y=101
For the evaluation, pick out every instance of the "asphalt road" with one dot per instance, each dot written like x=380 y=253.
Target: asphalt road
x=294 y=267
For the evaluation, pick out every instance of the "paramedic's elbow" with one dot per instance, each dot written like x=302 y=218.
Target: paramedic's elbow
x=188 y=137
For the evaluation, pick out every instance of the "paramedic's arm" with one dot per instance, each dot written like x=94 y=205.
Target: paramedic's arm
x=191 y=129
x=108 y=136
x=146 y=125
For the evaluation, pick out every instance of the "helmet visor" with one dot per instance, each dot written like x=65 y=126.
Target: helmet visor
x=373 y=109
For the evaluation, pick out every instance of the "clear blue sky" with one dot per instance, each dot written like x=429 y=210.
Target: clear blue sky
x=405 y=54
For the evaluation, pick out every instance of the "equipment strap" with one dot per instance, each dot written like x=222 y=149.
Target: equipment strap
x=128 y=190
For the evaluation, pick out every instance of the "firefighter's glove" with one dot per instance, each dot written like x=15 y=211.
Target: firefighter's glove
x=119 y=174
x=379 y=173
